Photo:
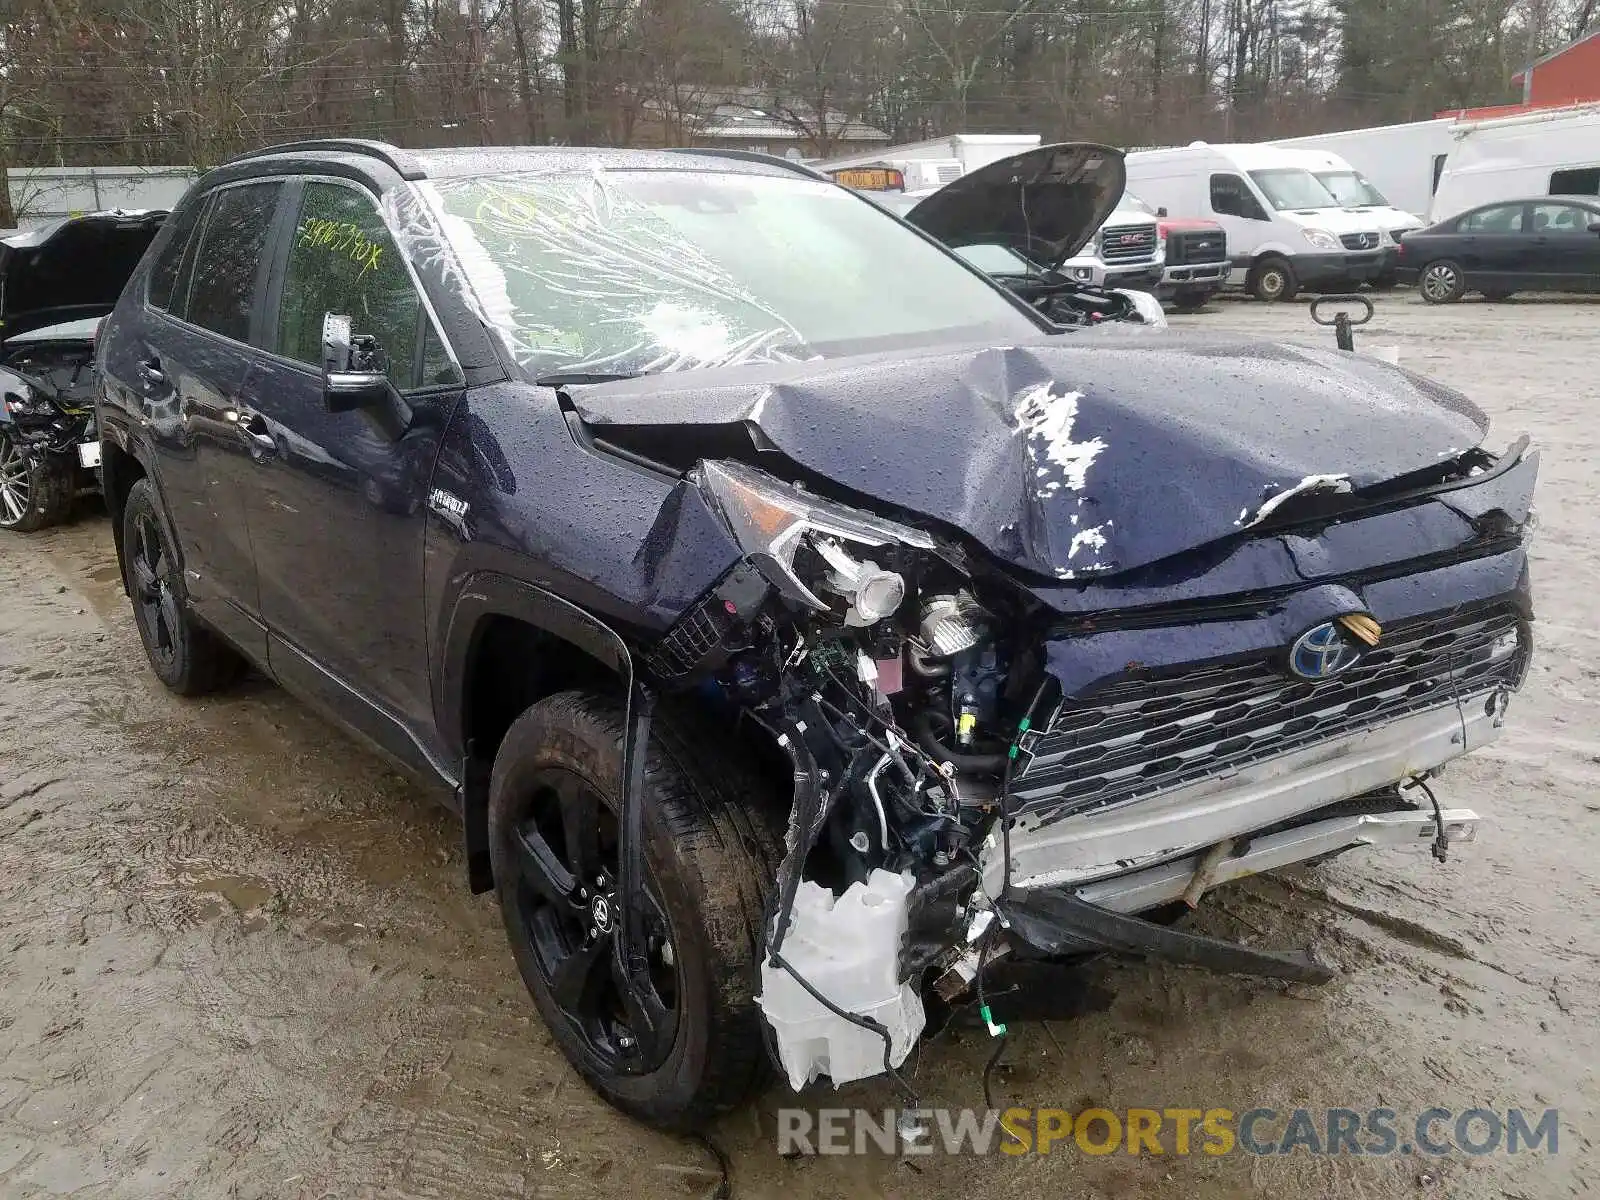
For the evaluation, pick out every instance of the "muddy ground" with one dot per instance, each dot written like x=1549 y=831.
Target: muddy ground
x=237 y=957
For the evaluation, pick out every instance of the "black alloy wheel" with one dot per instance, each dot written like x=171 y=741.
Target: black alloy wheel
x=565 y=841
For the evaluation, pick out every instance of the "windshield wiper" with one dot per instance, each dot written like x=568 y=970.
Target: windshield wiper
x=565 y=378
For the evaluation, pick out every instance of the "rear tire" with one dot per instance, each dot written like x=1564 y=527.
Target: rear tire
x=712 y=846
x=36 y=490
x=1442 y=282
x=186 y=656
x=1273 y=280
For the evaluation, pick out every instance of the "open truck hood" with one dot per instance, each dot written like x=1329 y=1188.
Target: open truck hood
x=71 y=269
x=1094 y=454
x=1044 y=204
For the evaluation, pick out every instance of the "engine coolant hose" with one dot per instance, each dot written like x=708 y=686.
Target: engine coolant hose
x=984 y=764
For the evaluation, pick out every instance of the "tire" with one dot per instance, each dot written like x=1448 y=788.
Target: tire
x=1442 y=282
x=1273 y=280
x=1498 y=297
x=1385 y=283
x=185 y=655
x=1187 y=300
x=35 y=490
x=712 y=847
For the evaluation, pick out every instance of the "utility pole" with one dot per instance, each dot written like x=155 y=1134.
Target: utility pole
x=1535 y=23
x=473 y=11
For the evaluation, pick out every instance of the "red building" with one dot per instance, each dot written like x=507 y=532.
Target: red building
x=1571 y=75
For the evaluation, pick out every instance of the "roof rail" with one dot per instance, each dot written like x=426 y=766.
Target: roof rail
x=755 y=156
x=403 y=163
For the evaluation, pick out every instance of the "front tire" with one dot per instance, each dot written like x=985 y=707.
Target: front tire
x=1189 y=300
x=35 y=489
x=1442 y=282
x=184 y=654
x=555 y=795
x=1274 y=280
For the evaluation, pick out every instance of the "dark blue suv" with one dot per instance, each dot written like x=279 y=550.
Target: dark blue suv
x=798 y=622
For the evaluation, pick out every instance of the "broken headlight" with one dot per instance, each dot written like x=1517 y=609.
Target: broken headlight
x=773 y=521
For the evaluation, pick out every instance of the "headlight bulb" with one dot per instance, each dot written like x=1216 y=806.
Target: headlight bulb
x=873 y=592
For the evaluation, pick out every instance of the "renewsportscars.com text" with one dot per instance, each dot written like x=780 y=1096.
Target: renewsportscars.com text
x=1180 y=1131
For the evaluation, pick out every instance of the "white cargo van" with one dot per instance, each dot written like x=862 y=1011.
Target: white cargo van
x=1286 y=232
x=1403 y=162
x=1555 y=152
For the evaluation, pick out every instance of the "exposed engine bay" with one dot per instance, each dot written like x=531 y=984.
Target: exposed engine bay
x=48 y=392
x=910 y=685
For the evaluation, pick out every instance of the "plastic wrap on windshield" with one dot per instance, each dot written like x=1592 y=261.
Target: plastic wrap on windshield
x=632 y=295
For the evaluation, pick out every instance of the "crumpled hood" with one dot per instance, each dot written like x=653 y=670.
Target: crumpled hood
x=1101 y=453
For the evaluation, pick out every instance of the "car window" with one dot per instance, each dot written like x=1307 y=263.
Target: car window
x=1561 y=218
x=343 y=260
x=227 y=262
x=1293 y=187
x=637 y=271
x=171 y=264
x=994 y=259
x=1499 y=218
x=1352 y=188
x=1575 y=181
x=1232 y=197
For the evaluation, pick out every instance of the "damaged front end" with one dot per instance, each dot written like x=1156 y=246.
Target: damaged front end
x=991 y=760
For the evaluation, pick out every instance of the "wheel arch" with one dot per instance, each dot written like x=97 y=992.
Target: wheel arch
x=119 y=471
x=508 y=644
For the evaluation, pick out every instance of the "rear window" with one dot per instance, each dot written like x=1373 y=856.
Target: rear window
x=228 y=261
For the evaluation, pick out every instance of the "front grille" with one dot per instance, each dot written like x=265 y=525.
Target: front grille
x=1359 y=241
x=1127 y=244
x=1192 y=247
x=1142 y=736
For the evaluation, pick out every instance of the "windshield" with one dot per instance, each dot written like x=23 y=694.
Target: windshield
x=1292 y=187
x=626 y=272
x=994 y=259
x=1350 y=188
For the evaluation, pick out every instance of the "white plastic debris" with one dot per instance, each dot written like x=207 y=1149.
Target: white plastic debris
x=849 y=950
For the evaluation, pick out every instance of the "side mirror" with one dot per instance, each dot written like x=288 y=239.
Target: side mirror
x=1594 y=227
x=355 y=370
x=1162 y=211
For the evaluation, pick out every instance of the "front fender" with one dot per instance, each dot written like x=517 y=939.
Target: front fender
x=485 y=594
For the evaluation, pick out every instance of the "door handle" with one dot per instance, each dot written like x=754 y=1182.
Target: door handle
x=150 y=371
x=253 y=429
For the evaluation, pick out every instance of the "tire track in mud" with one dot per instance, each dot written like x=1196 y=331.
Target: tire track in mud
x=239 y=958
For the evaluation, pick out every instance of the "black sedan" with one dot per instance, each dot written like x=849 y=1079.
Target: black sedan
x=1545 y=244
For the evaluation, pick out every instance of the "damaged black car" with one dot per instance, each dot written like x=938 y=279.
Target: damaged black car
x=802 y=626
x=56 y=283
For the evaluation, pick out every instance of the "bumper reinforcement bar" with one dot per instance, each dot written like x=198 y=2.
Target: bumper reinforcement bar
x=1058 y=922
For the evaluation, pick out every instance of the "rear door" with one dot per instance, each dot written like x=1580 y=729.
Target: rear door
x=1564 y=254
x=1492 y=247
x=337 y=507
x=193 y=358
